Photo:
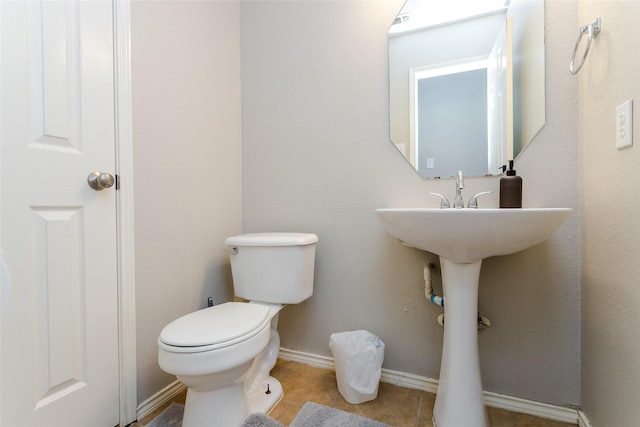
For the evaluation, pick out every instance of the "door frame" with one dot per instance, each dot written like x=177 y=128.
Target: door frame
x=125 y=212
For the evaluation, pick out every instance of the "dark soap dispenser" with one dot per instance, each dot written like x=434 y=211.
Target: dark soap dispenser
x=510 y=189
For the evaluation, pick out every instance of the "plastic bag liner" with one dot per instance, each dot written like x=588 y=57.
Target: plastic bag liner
x=358 y=357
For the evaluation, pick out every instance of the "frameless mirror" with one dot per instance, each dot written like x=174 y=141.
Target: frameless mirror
x=466 y=82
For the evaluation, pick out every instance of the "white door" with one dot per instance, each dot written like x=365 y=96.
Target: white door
x=59 y=330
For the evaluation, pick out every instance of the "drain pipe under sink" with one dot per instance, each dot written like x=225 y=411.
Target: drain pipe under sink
x=428 y=289
x=483 y=321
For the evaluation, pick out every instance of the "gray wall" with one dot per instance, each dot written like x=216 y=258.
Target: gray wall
x=610 y=230
x=186 y=134
x=317 y=157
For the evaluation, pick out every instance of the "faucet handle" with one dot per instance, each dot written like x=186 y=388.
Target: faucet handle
x=473 y=201
x=444 y=203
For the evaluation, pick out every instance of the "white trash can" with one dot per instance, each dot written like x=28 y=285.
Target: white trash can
x=358 y=357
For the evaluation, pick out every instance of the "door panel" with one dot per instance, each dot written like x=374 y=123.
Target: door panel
x=58 y=236
x=59 y=295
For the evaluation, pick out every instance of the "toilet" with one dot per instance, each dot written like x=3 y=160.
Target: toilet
x=224 y=354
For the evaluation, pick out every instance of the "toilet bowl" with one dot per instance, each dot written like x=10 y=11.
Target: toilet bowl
x=224 y=354
x=213 y=362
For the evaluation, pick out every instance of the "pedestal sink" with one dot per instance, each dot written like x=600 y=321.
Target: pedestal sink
x=462 y=238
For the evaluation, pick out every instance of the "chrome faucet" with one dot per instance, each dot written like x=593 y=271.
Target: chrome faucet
x=458 y=203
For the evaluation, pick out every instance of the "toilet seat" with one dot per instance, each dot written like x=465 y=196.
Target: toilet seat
x=214 y=327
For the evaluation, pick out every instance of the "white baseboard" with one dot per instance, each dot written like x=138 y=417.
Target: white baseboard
x=515 y=404
x=582 y=420
x=531 y=407
x=159 y=399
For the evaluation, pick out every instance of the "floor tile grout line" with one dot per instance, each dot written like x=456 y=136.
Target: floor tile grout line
x=419 y=410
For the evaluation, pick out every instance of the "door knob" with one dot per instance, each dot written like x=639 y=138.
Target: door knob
x=99 y=181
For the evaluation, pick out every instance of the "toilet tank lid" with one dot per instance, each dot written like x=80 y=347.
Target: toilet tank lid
x=272 y=239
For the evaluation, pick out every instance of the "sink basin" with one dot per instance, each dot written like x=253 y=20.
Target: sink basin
x=463 y=238
x=468 y=235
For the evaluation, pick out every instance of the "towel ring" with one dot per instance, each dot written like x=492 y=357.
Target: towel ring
x=592 y=30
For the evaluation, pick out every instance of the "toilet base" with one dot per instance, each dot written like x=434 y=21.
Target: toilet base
x=229 y=406
x=221 y=407
x=260 y=400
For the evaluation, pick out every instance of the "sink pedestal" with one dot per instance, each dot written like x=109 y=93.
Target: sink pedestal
x=459 y=398
x=462 y=238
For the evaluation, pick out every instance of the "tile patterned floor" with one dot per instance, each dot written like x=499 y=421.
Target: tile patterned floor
x=396 y=406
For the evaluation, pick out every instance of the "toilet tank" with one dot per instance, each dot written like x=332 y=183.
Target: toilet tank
x=273 y=267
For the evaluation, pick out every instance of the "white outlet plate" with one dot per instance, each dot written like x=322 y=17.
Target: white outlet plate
x=624 y=124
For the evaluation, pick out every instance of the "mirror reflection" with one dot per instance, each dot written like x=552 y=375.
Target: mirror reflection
x=466 y=83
